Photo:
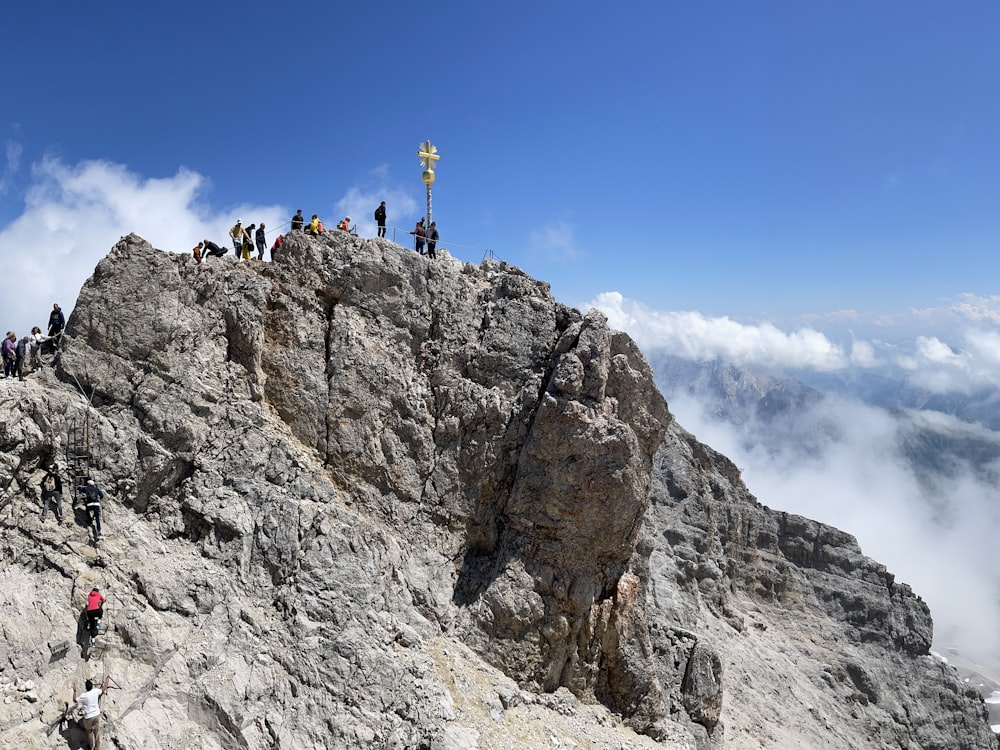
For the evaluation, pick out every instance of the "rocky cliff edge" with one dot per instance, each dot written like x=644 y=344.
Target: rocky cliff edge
x=358 y=498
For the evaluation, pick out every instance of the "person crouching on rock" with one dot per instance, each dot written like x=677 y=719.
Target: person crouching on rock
x=212 y=249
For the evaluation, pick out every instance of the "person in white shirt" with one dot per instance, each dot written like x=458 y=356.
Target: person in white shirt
x=90 y=702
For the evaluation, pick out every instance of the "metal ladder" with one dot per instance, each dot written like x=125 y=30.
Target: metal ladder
x=78 y=453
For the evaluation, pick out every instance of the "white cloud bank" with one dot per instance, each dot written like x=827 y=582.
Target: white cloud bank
x=963 y=357
x=940 y=540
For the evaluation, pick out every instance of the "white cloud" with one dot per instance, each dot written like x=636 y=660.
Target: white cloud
x=863 y=355
x=960 y=358
x=402 y=210
x=555 y=241
x=12 y=153
x=694 y=336
x=74 y=214
x=940 y=540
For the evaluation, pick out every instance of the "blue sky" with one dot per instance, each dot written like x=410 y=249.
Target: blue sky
x=773 y=162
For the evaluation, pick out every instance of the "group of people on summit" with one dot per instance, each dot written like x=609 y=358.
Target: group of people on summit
x=245 y=239
x=16 y=352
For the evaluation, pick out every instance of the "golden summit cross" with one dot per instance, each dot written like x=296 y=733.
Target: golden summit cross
x=428 y=155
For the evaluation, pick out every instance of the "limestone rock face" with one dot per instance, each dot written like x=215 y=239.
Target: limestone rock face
x=357 y=498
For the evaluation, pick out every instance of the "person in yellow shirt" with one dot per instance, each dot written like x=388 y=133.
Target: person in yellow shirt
x=236 y=234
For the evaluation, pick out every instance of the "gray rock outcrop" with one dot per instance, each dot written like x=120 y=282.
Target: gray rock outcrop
x=361 y=499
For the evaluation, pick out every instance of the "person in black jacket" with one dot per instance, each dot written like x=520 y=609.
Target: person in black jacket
x=298 y=221
x=380 y=218
x=93 y=496
x=52 y=492
x=432 y=239
x=260 y=239
x=57 y=321
x=212 y=249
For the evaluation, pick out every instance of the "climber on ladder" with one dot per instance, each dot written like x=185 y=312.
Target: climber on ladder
x=93 y=496
x=95 y=611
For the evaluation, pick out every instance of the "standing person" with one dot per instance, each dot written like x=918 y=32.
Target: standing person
x=419 y=233
x=298 y=221
x=20 y=354
x=52 y=492
x=93 y=496
x=432 y=239
x=196 y=252
x=57 y=321
x=261 y=242
x=37 y=339
x=380 y=218
x=248 y=241
x=90 y=702
x=9 y=348
x=236 y=234
x=95 y=612
x=212 y=249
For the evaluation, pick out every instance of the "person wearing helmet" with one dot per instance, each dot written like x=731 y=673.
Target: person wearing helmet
x=93 y=496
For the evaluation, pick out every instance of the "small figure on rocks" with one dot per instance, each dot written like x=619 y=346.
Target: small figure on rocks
x=93 y=496
x=432 y=239
x=299 y=221
x=345 y=224
x=20 y=354
x=212 y=249
x=95 y=613
x=236 y=235
x=248 y=242
x=37 y=339
x=315 y=226
x=90 y=702
x=196 y=252
x=52 y=492
x=380 y=219
x=57 y=321
x=277 y=245
x=419 y=233
x=261 y=242
x=9 y=348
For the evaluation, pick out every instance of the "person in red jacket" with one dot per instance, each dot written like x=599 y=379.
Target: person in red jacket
x=95 y=611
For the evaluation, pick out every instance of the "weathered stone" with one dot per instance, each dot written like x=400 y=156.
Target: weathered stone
x=361 y=499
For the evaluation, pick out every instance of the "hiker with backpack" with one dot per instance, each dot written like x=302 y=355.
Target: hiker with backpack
x=93 y=496
x=52 y=492
x=380 y=219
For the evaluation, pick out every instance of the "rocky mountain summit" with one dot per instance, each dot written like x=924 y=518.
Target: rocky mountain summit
x=358 y=498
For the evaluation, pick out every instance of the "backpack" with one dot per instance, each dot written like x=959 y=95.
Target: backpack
x=49 y=483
